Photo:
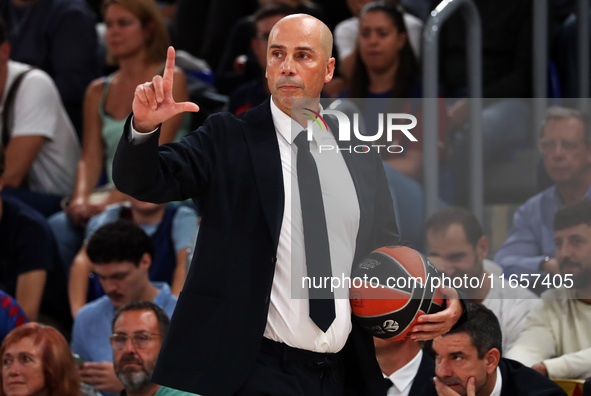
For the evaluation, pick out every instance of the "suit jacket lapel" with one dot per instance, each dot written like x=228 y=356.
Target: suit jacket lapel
x=261 y=140
x=423 y=382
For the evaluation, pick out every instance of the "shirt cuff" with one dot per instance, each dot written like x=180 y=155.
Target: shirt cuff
x=136 y=137
x=555 y=368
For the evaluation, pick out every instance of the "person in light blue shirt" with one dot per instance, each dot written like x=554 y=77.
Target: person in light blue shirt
x=121 y=255
x=566 y=148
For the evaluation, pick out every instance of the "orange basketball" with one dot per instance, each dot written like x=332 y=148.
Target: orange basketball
x=390 y=290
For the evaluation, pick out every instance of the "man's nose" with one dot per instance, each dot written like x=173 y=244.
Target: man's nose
x=558 y=150
x=288 y=66
x=129 y=347
x=442 y=370
x=564 y=251
x=109 y=286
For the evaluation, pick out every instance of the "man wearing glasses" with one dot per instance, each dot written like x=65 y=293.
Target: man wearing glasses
x=121 y=255
x=138 y=329
x=565 y=145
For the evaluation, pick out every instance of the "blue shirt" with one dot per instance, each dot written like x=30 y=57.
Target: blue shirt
x=92 y=326
x=532 y=236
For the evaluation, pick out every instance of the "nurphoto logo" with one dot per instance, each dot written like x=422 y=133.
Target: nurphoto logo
x=388 y=124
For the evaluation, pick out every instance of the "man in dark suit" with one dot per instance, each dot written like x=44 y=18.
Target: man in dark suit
x=237 y=328
x=468 y=362
x=407 y=369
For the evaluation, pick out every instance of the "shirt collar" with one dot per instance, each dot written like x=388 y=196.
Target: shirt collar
x=557 y=199
x=284 y=124
x=498 y=384
x=403 y=377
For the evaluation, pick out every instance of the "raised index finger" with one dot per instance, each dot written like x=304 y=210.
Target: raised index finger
x=168 y=70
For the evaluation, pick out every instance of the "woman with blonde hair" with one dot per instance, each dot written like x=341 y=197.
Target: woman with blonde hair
x=136 y=39
x=36 y=360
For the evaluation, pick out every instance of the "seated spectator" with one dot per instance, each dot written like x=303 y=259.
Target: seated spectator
x=144 y=324
x=407 y=370
x=42 y=148
x=566 y=150
x=29 y=262
x=58 y=37
x=254 y=92
x=121 y=255
x=136 y=40
x=385 y=67
x=468 y=362
x=556 y=340
x=36 y=360
x=11 y=315
x=347 y=32
x=458 y=247
x=173 y=230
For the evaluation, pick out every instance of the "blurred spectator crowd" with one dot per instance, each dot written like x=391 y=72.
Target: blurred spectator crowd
x=74 y=250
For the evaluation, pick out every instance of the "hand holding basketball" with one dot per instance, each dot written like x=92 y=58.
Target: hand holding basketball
x=153 y=102
x=436 y=324
x=396 y=293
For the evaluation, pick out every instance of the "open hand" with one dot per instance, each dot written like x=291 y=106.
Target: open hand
x=434 y=325
x=153 y=102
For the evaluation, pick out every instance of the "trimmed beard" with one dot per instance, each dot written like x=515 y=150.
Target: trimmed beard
x=134 y=381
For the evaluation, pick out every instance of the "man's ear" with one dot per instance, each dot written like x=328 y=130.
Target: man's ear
x=491 y=359
x=145 y=261
x=329 y=70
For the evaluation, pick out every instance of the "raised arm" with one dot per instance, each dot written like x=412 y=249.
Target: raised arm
x=171 y=127
x=153 y=102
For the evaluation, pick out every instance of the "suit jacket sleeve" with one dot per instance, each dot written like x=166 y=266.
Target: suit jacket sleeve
x=171 y=172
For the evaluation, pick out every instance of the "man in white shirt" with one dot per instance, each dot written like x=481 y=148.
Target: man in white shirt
x=458 y=247
x=556 y=340
x=42 y=149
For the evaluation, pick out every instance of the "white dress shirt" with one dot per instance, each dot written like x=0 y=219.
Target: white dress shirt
x=403 y=378
x=288 y=320
x=498 y=384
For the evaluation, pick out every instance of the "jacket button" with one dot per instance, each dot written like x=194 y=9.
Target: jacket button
x=266 y=299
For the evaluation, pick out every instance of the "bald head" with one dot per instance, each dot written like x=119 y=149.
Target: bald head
x=299 y=60
x=304 y=24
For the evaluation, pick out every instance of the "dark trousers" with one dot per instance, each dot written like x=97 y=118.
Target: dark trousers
x=281 y=370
